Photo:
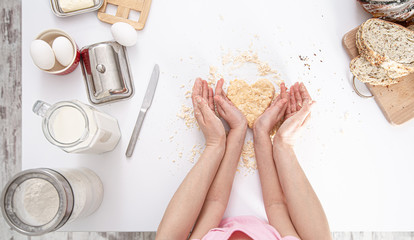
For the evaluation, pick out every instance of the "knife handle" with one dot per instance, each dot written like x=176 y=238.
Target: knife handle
x=135 y=133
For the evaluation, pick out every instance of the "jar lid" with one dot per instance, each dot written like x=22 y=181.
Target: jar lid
x=11 y=209
x=106 y=71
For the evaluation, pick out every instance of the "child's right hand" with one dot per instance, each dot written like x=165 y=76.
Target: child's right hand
x=209 y=123
x=227 y=110
x=273 y=114
x=296 y=116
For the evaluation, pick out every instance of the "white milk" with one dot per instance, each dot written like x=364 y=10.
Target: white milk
x=67 y=124
x=78 y=128
x=108 y=133
x=104 y=133
x=104 y=129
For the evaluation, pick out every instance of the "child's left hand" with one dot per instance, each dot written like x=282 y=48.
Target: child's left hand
x=227 y=110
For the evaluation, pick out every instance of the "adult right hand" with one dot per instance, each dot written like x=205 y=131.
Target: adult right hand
x=209 y=123
x=296 y=116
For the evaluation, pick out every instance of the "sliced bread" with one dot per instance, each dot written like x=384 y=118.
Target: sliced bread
x=392 y=10
x=387 y=44
x=406 y=14
x=364 y=71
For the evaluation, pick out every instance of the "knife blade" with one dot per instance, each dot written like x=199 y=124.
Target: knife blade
x=146 y=103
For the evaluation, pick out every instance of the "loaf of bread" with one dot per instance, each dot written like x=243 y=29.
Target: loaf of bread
x=365 y=72
x=392 y=10
x=387 y=44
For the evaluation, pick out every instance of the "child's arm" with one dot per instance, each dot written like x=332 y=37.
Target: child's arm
x=304 y=207
x=219 y=193
x=184 y=207
x=273 y=198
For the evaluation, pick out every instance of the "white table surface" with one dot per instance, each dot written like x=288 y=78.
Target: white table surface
x=360 y=166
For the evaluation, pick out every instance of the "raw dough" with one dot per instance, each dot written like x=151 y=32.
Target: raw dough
x=251 y=100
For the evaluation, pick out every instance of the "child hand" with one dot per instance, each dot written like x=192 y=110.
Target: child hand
x=273 y=114
x=227 y=110
x=209 y=123
x=296 y=116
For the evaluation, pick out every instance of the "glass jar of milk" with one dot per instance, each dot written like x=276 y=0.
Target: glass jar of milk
x=38 y=201
x=76 y=127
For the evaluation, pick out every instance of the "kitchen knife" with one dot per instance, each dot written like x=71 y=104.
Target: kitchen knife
x=146 y=103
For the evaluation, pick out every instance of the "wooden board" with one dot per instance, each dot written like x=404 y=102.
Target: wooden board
x=396 y=101
x=124 y=8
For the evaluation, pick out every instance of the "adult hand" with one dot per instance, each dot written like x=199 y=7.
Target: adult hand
x=296 y=116
x=227 y=110
x=273 y=114
x=209 y=123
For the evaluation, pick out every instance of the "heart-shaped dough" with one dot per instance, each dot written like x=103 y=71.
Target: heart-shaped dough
x=251 y=100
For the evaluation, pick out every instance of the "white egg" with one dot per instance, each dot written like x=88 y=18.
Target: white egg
x=64 y=50
x=124 y=34
x=42 y=54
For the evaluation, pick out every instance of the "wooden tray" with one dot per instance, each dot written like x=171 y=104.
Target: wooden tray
x=396 y=101
x=123 y=10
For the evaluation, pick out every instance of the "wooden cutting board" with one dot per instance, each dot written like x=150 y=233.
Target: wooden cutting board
x=124 y=7
x=396 y=101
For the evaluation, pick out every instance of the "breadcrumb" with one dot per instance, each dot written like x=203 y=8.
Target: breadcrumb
x=213 y=76
x=263 y=68
x=187 y=114
x=195 y=152
x=248 y=160
x=188 y=94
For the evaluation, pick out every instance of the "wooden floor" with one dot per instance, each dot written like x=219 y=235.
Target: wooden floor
x=11 y=134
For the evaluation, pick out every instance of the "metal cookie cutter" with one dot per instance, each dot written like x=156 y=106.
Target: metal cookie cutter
x=106 y=71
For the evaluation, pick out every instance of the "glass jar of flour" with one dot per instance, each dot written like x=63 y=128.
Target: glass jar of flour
x=76 y=127
x=38 y=201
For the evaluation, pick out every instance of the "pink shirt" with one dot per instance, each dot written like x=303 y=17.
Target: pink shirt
x=251 y=226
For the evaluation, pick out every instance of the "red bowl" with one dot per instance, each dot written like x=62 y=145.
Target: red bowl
x=49 y=36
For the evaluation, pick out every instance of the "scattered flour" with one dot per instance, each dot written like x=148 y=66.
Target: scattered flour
x=187 y=114
x=195 y=152
x=213 y=76
x=230 y=62
x=248 y=160
x=249 y=56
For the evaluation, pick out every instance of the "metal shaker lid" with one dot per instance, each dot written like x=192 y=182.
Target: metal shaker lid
x=12 y=210
x=106 y=71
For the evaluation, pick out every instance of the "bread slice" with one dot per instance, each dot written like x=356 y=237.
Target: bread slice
x=392 y=10
x=388 y=45
x=406 y=14
x=364 y=71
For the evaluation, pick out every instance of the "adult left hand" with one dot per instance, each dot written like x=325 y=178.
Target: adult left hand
x=297 y=115
x=209 y=123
